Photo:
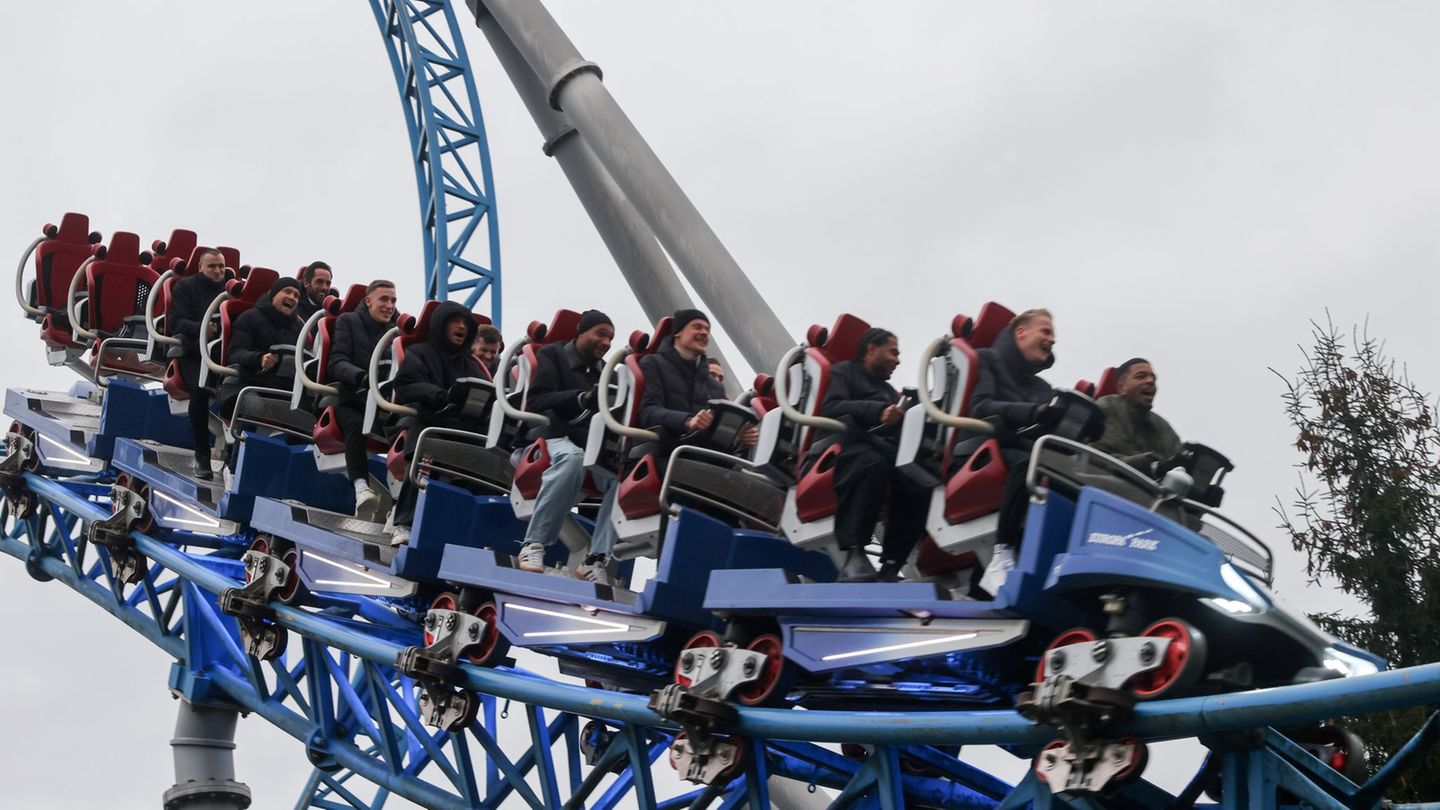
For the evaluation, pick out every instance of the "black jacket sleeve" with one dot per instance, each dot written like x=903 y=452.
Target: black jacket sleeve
x=548 y=391
x=247 y=344
x=984 y=401
x=344 y=366
x=186 y=312
x=415 y=384
x=841 y=403
x=653 y=410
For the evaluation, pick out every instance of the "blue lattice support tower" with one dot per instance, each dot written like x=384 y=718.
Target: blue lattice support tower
x=447 y=140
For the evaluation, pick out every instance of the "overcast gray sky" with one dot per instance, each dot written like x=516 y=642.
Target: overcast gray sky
x=1191 y=182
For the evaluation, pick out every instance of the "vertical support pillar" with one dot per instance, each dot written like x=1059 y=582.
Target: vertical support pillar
x=573 y=86
x=631 y=243
x=204 y=750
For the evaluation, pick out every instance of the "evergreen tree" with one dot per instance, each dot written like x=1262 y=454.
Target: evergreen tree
x=1367 y=516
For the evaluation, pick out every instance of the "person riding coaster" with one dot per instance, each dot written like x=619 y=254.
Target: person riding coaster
x=608 y=632
x=1110 y=560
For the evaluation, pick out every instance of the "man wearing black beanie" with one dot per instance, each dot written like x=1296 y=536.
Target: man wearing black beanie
x=563 y=390
x=271 y=322
x=676 y=402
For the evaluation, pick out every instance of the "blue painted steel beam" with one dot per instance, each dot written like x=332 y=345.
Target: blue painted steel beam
x=447 y=141
x=1186 y=717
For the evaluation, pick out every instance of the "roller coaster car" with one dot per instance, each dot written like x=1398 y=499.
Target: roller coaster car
x=269 y=440
x=1107 y=551
x=620 y=637
x=709 y=471
x=74 y=432
x=461 y=477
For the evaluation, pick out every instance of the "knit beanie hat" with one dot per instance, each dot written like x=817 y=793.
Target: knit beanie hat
x=591 y=318
x=685 y=316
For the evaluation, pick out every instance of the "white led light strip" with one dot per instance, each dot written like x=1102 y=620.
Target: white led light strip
x=604 y=626
x=909 y=645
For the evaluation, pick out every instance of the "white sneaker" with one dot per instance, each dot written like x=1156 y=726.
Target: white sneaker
x=597 y=572
x=531 y=558
x=1002 y=562
x=401 y=536
x=365 y=501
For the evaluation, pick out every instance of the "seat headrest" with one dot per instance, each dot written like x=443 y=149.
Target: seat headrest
x=353 y=298
x=1109 y=383
x=256 y=283
x=124 y=248
x=331 y=305
x=73 y=228
x=961 y=326
x=234 y=286
x=839 y=342
x=764 y=385
x=232 y=258
x=642 y=343
x=180 y=244
x=991 y=321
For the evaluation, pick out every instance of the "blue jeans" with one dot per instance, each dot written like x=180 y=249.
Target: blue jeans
x=560 y=487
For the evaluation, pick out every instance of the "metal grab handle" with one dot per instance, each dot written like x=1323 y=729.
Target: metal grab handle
x=309 y=384
x=75 y=327
x=782 y=393
x=374 y=372
x=150 y=311
x=20 y=279
x=602 y=402
x=202 y=339
x=933 y=412
x=502 y=372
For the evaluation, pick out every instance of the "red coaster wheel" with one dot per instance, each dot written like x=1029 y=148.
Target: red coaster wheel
x=445 y=601
x=773 y=684
x=261 y=543
x=702 y=639
x=1344 y=751
x=1139 y=758
x=294 y=591
x=1180 y=667
x=490 y=650
x=1050 y=750
x=146 y=523
x=1074 y=635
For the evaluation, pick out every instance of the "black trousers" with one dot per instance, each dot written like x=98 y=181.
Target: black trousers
x=1014 y=499
x=351 y=420
x=862 y=477
x=197 y=408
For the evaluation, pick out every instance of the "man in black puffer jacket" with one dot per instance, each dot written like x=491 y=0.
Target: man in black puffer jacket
x=678 y=390
x=860 y=396
x=255 y=335
x=1011 y=394
x=348 y=369
x=189 y=298
x=426 y=382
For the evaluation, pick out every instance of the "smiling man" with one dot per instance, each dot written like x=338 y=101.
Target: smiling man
x=1134 y=433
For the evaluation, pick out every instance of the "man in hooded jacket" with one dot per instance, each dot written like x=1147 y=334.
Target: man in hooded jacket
x=1010 y=393
x=189 y=298
x=426 y=382
x=354 y=338
x=255 y=336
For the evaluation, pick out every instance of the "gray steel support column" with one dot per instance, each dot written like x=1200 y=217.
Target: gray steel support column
x=627 y=237
x=204 y=749
x=574 y=87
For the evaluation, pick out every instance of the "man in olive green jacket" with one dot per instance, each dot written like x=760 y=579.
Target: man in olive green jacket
x=1134 y=433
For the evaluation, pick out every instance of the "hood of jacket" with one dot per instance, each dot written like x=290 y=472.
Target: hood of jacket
x=435 y=336
x=1013 y=360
